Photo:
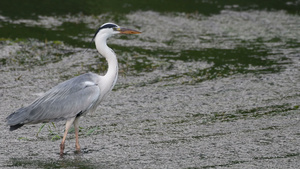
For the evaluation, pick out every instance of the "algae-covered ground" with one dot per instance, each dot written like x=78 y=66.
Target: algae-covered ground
x=196 y=89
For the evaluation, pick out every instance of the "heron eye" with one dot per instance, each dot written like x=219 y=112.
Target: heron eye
x=116 y=29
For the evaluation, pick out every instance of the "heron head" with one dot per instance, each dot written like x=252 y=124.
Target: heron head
x=111 y=29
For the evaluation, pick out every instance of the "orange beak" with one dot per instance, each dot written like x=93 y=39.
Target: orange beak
x=128 y=31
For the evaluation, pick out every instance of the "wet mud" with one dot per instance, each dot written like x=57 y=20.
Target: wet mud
x=194 y=91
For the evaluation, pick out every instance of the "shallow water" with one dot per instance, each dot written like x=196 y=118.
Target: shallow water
x=212 y=89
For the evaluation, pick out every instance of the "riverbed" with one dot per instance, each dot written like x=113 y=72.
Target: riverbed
x=196 y=89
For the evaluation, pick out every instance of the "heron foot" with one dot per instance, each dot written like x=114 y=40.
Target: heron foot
x=77 y=147
x=62 y=148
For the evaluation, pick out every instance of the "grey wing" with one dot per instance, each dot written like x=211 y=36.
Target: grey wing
x=66 y=100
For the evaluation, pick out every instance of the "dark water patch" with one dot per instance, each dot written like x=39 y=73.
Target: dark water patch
x=271 y=128
x=277 y=157
x=258 y=112
x=238 y=60
x=168 y=142
x=64 y=32
x=223 y=63
x=255 y=113
x=210 y=135
x=77 y=162
x=133 y=62
x=229 y=164
x=19 y=8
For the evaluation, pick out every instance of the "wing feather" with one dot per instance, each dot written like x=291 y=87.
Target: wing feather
x=64 y=101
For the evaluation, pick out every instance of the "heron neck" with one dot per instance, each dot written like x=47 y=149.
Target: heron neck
x=111 y=75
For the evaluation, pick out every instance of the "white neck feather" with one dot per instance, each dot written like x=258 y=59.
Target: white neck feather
x=111 y=75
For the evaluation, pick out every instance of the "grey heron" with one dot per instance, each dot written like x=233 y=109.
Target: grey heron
x=75 y=97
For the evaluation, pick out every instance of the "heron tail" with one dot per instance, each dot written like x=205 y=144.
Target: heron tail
x=16 y=119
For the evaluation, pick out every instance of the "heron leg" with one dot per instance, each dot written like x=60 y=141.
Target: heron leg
x=76 y=126
x=62 y=144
